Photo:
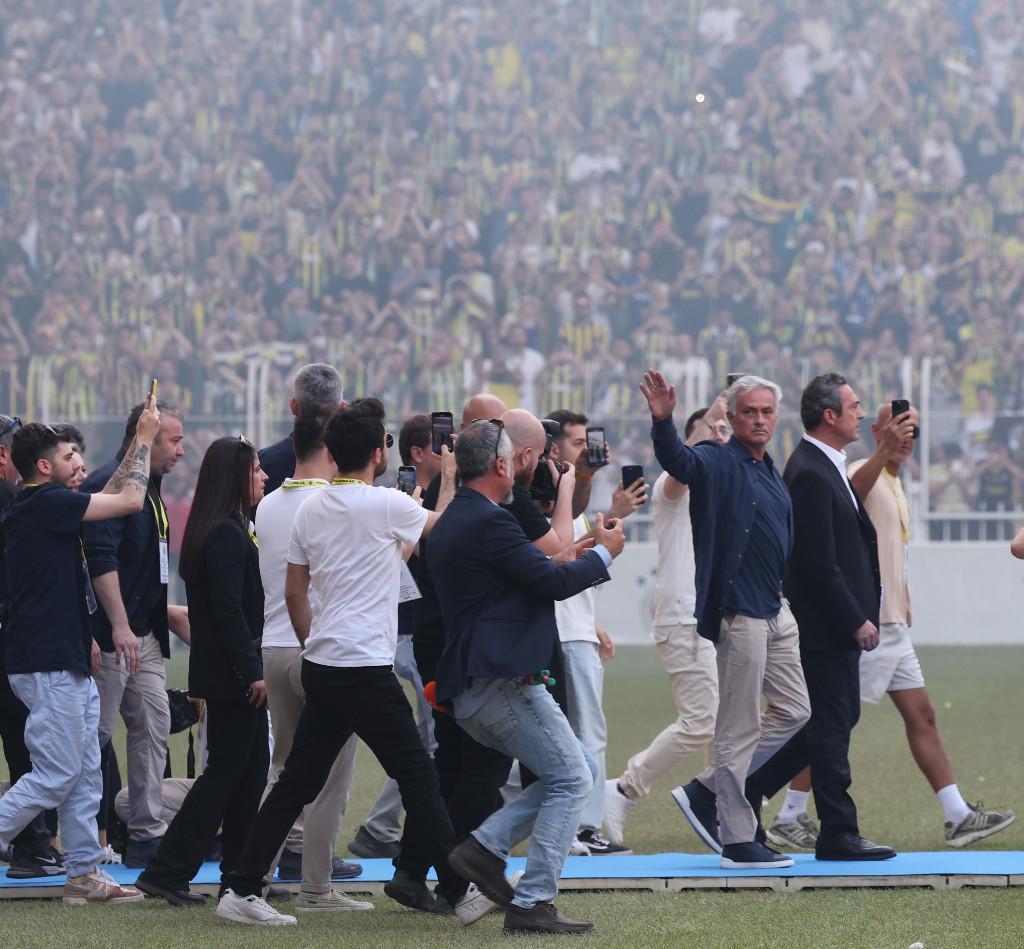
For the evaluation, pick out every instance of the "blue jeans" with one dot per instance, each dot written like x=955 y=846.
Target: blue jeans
x=584 y=683
x=524 y=722
x=61 y=734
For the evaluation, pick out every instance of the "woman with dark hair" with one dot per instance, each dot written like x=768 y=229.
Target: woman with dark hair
x=220 y=566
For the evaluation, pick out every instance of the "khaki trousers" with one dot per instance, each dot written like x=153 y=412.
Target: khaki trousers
x=689 y=660
x=141 y=699
x=314 y=833
x=754 y=656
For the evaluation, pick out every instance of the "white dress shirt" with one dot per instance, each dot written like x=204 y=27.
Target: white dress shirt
x=838 y=458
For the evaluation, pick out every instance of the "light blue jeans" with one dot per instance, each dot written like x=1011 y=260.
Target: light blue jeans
x=61 y=735
x=584 y=683
x=524 y=722
x=384 y=821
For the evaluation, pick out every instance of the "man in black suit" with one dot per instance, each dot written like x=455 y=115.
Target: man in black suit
x=496 y=592
x=834 y=588
x=316 y=385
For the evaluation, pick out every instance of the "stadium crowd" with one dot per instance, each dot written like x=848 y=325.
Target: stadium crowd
x=441 y=198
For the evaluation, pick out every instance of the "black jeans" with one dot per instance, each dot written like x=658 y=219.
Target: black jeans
x=369 y=702
x=833 y=687
x=34 y=836
x=227 y=794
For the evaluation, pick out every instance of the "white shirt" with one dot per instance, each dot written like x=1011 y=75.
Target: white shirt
x=675 y=587
x=350 y=536
x=275 y=517
x=576 y=616
x=838 y=458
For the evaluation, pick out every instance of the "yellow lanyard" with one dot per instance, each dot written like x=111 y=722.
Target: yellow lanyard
x=160 y=513
x=347 y=481
x=901 y=505
x=291 y=484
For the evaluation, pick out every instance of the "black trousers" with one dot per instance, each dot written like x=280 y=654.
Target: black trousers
x=227 y=794
x=833 y=687
x=369 y=702
x=13 y=714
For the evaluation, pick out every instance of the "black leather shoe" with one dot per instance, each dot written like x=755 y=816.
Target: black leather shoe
x=541 y=918
x=179 y=897
x=406 y=889
x=700 y=808
x=850 y=847
x=364 y=844
x=473 y=862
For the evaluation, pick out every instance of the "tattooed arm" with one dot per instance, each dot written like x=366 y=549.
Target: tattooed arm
x=125 y=492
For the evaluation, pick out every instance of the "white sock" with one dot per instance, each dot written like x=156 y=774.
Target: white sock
x=794 y=805
x=954 y=807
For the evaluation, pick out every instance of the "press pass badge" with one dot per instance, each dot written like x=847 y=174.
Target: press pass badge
x=90 y=594
x=407 y=589
x=165 y=571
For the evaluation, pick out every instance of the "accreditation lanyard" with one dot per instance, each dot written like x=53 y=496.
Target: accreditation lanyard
x=337 y=481
x=160 y=514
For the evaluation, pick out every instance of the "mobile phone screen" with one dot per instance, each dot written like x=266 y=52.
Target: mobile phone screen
x=407 y=479
x=595 y=447
x=441 y=428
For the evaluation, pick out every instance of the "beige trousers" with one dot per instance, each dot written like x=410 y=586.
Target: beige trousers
x=314 y=833
x=141 y=699
x=689 y=660
x=754 y=656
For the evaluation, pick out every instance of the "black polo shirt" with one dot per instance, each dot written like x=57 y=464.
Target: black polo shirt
x=48 y=624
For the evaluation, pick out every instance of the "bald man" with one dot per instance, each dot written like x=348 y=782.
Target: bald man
x=893 y=667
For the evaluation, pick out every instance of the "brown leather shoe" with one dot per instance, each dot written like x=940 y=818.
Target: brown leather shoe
x=539 y=919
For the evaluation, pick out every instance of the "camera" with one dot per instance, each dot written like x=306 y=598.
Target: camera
x=543 y=487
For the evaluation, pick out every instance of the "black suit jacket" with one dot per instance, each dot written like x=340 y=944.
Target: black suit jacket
x=497 y=593
x=278 y=461
x=832 y=579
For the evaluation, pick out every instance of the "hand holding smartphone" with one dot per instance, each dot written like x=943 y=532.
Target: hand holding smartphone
x=596 y=448
x=407 y=479
x=441 y=429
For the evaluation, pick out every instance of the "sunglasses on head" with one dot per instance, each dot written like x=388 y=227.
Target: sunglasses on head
x=501 y=427
x=12 y=425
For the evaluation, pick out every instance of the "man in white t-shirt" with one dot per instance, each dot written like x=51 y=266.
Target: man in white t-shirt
x=689 y=659
x=347 y=547
x=585 y=644
x=310 y=842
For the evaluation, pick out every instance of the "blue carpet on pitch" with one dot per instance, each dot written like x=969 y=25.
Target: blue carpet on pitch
x=678 y=866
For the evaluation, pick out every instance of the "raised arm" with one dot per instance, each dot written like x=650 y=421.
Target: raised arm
x=125 y=492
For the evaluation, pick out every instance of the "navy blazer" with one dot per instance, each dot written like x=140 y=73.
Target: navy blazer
x=278 y=462
x=721 y=480
x=832 y=581
x=129 y=545
x=497 y=593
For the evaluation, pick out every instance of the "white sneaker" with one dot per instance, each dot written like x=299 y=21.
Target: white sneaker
x=616 y=809
x=578 y=848
x=252 y=910
x=333 y=899
x=474 y=906
x=109 y=855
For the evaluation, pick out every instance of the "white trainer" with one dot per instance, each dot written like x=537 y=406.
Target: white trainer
x=333 y=899
x=109 y=855
x=616 y=809
x=251 y=910
x=578 y=848
x=474 y=906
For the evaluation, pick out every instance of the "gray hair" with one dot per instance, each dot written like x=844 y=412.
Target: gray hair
x=476 y=450
x=316 y=385
x=749 y=384
x=8 y=427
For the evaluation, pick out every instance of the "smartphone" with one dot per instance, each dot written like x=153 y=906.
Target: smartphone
x=631 y=474
x=732 y=377
x=152 y=388
x=899 y=407
x=595 y=448
x=407 y=479
x=441 y=428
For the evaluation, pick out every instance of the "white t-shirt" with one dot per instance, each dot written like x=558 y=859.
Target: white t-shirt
x=576 y=616
x=275 y=517
x=675 y=586
x=350 y=536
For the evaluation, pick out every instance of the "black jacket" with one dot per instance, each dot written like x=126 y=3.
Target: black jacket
x=225 y=612
x=278 y=461
x=497 y=593
x=130 y=546
x=832 y=578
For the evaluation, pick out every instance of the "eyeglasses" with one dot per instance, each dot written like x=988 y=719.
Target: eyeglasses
x=501 y=427
x=12 y=425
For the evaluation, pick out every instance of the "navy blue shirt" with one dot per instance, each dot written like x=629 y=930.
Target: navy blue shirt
x=756 y=590
x=723 y=507
x=47 y=627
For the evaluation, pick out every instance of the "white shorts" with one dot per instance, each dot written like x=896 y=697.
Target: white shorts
x=892 y=666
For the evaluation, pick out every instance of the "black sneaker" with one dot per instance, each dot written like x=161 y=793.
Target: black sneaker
x=140 y=854
x=753 y=856
x=599 y=846
x=27 y=865
x=700 y=808
x=364 y=844
x=404 y=888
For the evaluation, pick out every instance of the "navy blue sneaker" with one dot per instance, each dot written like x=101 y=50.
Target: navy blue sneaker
x=753 y=856
x=141 y=853
x=700 y=808
x=343 y=870
x=289 y=869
